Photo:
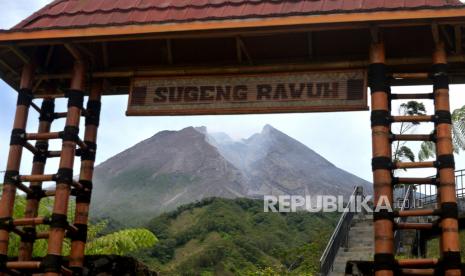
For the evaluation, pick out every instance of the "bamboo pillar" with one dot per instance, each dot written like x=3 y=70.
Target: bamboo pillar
x=14 y=160
x=87 y=170
x=52 y=262
x=450 y=244
x=382 y=156
x=38 y=168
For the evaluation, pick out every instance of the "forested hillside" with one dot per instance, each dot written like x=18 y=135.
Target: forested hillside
x=235 y=237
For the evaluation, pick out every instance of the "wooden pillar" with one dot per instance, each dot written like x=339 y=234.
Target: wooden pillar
x=38 y=167
x=14 y=160
x=87 y=170
x=382 y=157
x=52 y=262
x=450 y=244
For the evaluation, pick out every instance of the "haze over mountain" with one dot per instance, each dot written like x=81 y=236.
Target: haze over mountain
x=178 y=167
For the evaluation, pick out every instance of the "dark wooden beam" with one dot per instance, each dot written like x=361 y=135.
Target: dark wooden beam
x=375 y=34
x=77 y=55
x=236 y=32
x=435 y=32
x=458 y=39
x=49 y=56
x=4 y=51
x=83 y=50
x=105 y=57
x=37 y=85
x=11 y=82
x=243 y=49
x=8 y=67
x=310 y=45
x=249 y=69
x=239 y=51
x=20 y=54
x=446 y=36
x=169 y=51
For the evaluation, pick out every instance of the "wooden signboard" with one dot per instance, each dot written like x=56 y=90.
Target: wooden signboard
x=250 y=94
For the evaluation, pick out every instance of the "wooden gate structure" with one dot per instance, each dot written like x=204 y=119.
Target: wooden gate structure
x=225 y=57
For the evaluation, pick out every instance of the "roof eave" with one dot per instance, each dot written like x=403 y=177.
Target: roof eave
x=142 y=29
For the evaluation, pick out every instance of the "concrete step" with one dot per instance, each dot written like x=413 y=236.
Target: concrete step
x=338 y=271
x=367 y=244
x=360 y=245
x=361 y=234
x=361 y=228
x=364 y=216
x=354 y=256
x=360 y=239
x=353 y=241
x=362 y=224
x=365 y=220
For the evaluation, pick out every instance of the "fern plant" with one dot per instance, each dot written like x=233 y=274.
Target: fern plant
x=121 y=242
x=118 y=243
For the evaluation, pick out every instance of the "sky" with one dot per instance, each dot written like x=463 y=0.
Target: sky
x=343 y=138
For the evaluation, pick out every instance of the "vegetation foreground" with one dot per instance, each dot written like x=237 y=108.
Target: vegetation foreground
x=211 y=237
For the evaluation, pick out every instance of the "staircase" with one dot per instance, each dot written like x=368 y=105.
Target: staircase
x=340 y=239
x=353 y=238
x=360 y=245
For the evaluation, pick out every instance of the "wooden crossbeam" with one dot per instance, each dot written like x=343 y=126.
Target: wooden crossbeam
x=8 y=67
x=242 y=49
x=72 y=49
x=19 y=53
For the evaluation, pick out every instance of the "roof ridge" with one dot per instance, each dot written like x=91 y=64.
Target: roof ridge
x=82 y=13
x=36 y=15
x=213 y=17
x=178 y=7
x=39 y=14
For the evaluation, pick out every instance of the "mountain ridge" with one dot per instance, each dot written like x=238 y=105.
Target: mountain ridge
x=173 y=168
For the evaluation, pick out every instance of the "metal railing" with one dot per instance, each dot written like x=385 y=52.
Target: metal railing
x=408 y=198
x=427 y=194
x=424 y=195
x=340 y=235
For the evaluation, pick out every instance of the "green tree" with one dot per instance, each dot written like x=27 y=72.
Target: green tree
x=428 y=149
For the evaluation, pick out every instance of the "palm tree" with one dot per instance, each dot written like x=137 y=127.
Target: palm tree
x=401 y=152
x=428 y=149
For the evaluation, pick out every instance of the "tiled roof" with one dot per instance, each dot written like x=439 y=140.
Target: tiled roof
x=86 y=13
